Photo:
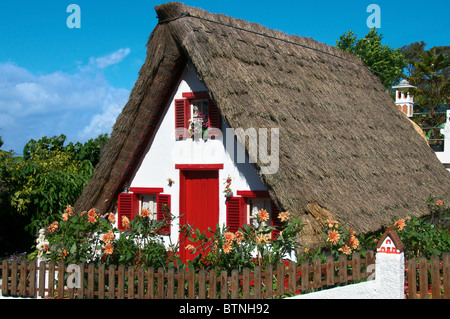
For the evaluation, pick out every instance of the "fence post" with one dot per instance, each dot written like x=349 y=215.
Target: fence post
x=280 y=279
x=101 y=281
x=412 y=281
x=51 y=279
x=14 y=277
x=269 y=281
x=423 y=277
x=33 y=266
x=90 y=283
x=435 y=280
x=5 y=277
x=330 y=270
x=61 y=283
x=305 y=275
x=292 y=277
x=23 y=279
x=131 y=276
x=446 y=274
x=112 y=282
x=202 y=284
x=212 y=284
x=234 y=284
x=223 y=284
x=257 y=281
x=181 y=280
x=42 y=282
x=246 y=283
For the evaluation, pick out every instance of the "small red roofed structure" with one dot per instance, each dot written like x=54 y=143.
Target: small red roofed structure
x=390 y=242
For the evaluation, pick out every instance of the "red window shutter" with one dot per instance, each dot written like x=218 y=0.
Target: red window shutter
x=235 y=213
x=276 y=222
x=182 y=117
x=128 y=205
x=214 y=116
x=163 y=211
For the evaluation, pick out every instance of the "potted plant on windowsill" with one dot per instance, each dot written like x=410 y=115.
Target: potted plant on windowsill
x=198 y=126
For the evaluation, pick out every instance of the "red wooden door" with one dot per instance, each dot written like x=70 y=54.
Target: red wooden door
x=199 y=203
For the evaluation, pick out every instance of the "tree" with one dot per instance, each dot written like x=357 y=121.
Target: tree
x=412 y=52
x=429 y=73
x=90 y=150
x=431 y=77
x=385 y=62
x=35 y=188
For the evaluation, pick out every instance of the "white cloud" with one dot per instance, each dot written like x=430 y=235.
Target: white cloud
x=81 y=105
x=113 y=58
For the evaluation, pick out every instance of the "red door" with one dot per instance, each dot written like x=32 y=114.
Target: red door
x=199 y=203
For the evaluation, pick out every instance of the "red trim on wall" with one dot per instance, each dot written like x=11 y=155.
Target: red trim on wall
x=196 y=95
x=259 y=194
x=146 y=190
x=198 y=167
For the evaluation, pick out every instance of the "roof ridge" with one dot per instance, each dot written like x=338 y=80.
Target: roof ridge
x=187 y=14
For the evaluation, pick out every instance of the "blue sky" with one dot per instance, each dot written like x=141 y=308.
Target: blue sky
x=75 y=81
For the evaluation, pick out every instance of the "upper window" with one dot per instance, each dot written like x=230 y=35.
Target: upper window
x=196 y=115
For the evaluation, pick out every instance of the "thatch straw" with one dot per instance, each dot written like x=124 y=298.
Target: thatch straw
x=346 y=151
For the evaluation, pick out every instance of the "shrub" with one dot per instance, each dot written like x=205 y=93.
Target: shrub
x=428 y=235
x=251 y=245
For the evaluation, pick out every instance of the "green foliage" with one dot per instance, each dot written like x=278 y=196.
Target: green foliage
x=429 y=235
x=71 y=238
x=47 y=178
x=385 y=62
x=422 y=236
x=88 y=237
x=429 y=72
x=251 y=245
x=432 y=79
x=140 y=245
x=337 y=239
x=89 y=151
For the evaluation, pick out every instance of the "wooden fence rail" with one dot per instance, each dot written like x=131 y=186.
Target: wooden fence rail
x=426 y=280
x=50 y=280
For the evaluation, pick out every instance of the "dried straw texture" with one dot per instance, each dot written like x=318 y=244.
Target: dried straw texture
x=346 y=152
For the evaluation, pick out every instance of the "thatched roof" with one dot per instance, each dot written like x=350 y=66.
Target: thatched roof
x=346 y=151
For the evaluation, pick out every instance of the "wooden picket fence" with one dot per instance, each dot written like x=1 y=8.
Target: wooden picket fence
x=285 y=279
x=428 y=279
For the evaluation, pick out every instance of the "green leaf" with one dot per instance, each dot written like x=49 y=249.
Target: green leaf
x=73 y=248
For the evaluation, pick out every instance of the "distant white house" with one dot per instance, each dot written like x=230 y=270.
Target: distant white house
x=444 y=156
x=404 y=100
x=405 y=103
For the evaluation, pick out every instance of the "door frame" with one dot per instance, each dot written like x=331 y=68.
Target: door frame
x=182 y=201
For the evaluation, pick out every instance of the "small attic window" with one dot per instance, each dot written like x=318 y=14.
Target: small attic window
x=199 y=107
x=196 y=111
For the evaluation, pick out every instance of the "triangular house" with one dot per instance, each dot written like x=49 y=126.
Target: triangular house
x=343 y=150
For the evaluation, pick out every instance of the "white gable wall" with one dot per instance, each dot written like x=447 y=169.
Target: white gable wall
x=164 y=152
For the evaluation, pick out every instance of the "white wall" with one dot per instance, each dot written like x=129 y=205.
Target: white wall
x=164 y=152
x=444 y=156
x=388 y=282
